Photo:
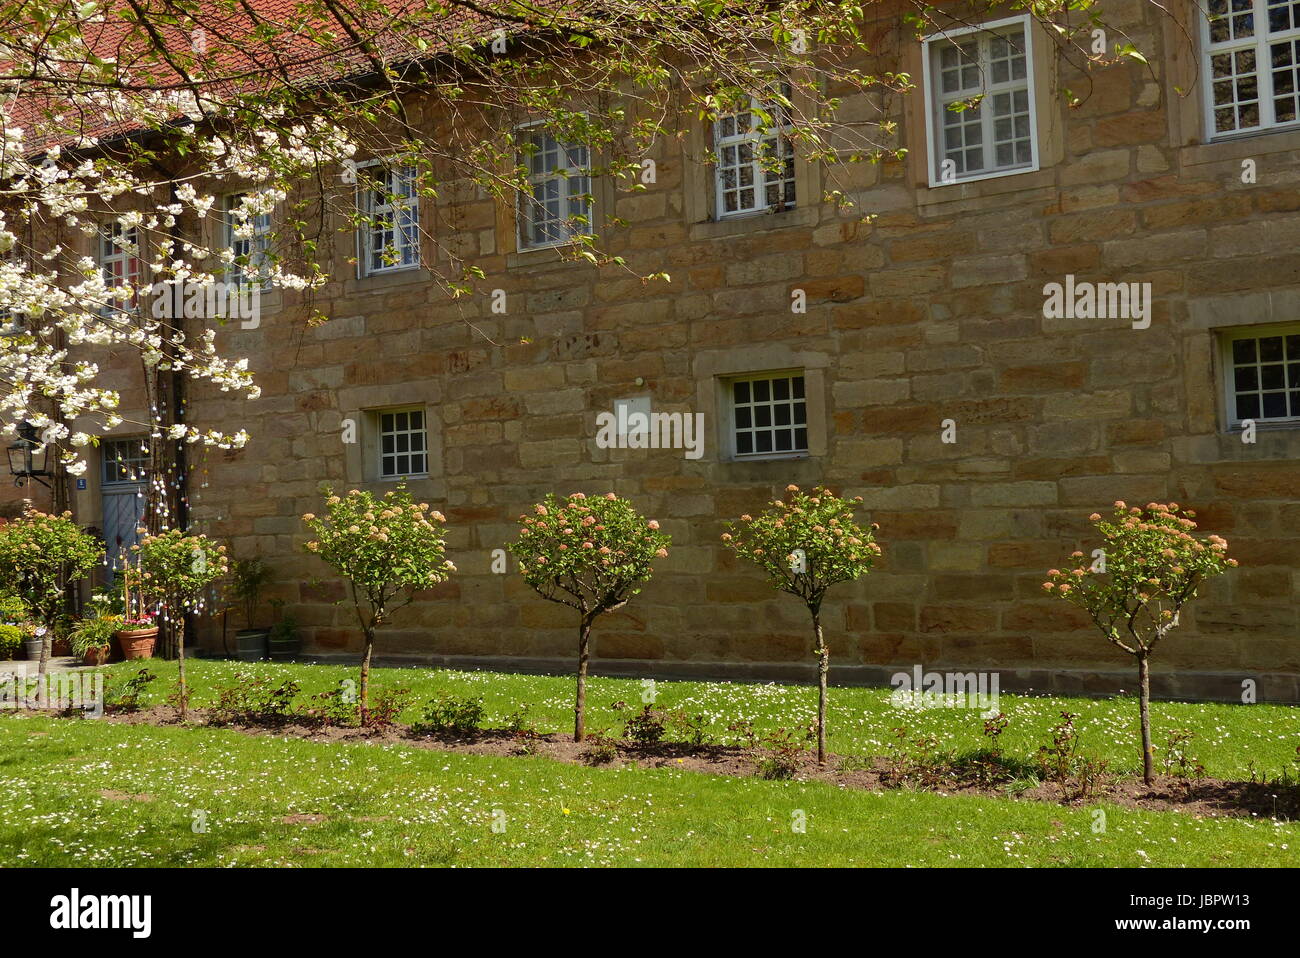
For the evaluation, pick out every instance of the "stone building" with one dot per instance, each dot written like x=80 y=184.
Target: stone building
x=1179 y=179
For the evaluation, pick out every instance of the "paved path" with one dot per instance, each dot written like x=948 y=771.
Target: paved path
x=57 y=663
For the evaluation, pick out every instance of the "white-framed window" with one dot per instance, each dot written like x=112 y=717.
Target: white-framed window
x=124 y=460
x=403 y=443
x=557 y=205
x=997 y=135
x=1261 y=367
x=119 y=263
x=1251 y=65
x=767 y=415
x=390 y=233
x=755 y=159
x=247 y=237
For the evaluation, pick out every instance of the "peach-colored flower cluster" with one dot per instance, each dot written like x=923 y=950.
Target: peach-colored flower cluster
x=1150 y=557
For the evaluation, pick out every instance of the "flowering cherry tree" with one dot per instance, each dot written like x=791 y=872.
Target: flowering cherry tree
x=175 y=567
x=806 y=543
x=388 y=548
x=40 y=557
x=1135 y=586
x=591 y=555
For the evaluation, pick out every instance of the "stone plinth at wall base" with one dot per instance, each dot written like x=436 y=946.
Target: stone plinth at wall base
x=1278 y=688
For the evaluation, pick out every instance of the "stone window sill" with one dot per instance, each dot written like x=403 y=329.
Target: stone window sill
x=1248 y=147
x=378 y=282
x=548 y=256
x=753 y=223
x=954 y=197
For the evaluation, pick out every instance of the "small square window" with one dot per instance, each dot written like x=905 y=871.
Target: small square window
x=1262 y=375
x=403 y=444
x=769 y=415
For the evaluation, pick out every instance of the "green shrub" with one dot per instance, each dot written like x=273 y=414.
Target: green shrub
x=13 y=610
x=254 y=700
x=123 y=694
x=447 y=713
x=11 y=641
x=646 y=728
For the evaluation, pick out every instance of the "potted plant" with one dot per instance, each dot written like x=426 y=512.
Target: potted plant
x=249 y=578
x=33 y=641
x=283 y=643
x=91 y=638
x=139 y=632
x=61 y=643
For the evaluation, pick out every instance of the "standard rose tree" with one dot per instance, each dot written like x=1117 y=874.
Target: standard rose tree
x=589 y=554
x=806 y=543
x=1135 y=586
x=388 y=548
x=40 y=556
x=175 y=568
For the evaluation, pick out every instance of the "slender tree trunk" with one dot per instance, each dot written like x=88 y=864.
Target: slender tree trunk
x=47 y=641
x=584 y=653
x=1144 y=706
x=823 y=670
x=180 y=665
x=364 y=707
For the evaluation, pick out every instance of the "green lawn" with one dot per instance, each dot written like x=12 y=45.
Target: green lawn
x=84 y=792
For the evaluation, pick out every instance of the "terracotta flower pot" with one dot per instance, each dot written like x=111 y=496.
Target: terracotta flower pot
x=137 y=643
x=96 y=657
